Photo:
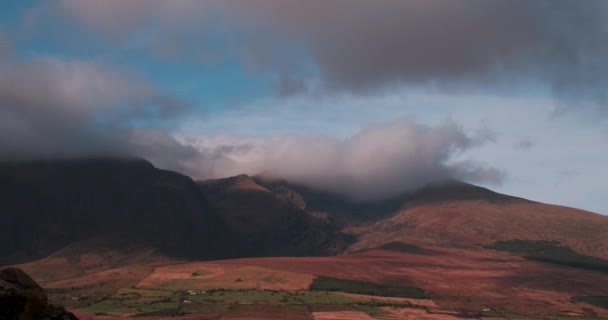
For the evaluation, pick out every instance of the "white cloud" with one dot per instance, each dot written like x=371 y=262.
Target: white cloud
x=378 y=161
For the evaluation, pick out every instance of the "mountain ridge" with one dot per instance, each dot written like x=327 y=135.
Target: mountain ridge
x=74 y=201
x=61 y=202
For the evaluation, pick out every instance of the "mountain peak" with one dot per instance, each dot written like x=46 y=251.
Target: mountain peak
x=241 y=182
x=455 y=190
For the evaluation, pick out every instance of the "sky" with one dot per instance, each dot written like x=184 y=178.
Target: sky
x=365 y=98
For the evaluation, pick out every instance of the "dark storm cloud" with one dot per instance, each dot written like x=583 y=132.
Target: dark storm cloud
x=6 y=48
x=361 y=45
x=54 y=108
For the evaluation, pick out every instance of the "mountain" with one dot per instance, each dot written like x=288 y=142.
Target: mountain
x=452 y=214
x=48 y=205
x=267 y=223
x=464 y=215
x=342 y=210
x=121 y=204
x=100 y=233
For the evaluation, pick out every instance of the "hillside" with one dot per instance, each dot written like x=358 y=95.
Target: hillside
x=468 y=216
x=450 y=214
x=53 y=204
x=111 y=237
x=342 y=210
x=118 y=203
x=264 y=223
x=49 y=205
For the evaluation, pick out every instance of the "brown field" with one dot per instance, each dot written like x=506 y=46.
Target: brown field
x=224 y=275
x=455 y=279
x=420 y=314
x=341 y=315
x=459 y=278
x=266 y=312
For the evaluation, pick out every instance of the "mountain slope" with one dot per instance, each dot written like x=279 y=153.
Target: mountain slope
x=49 y=205
x=342 y=210
x=466 y=215
x=265 y=223
x=452 y=213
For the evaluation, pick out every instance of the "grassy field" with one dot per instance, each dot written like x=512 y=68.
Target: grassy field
x=271 y=297
x=136 y=301
x=295 y=304
x=551 y=252
x=369 y=288
x=159 y=302
x=371 y=310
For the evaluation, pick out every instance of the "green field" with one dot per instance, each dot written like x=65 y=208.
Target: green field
x=137 y=301
x=368 y=288
x=159 y=302
x=551 y=252
x=291 y=304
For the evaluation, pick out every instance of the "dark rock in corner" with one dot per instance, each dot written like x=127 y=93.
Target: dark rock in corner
x=21 y=298
x=59 y=313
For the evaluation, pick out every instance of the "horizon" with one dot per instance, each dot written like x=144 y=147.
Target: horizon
x=508 y=95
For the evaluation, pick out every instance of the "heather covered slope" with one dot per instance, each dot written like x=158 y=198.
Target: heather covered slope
x=471 y=216
x=264 y=223
x=352 y=212
x=49 y=205
x=452 y=213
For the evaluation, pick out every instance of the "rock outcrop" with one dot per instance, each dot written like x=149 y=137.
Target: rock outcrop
x=21 y=298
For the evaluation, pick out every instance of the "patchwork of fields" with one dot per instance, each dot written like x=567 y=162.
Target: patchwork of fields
x=377 y=284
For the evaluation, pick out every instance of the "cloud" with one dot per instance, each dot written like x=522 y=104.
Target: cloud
x=164 y=150
x=379 y=161
x=118 y=18
x=55 y=108
x=565 y=176
x=6 y=48
x=361 y=45
x=523 y=144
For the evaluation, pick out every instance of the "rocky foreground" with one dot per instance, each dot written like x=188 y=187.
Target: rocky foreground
x=21 y=298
